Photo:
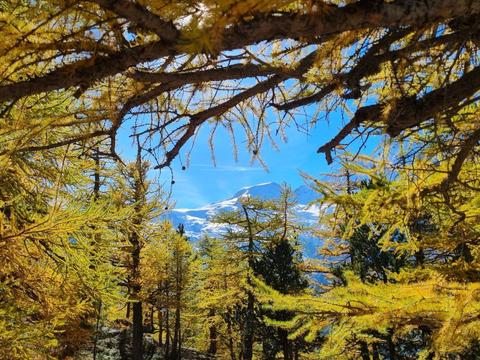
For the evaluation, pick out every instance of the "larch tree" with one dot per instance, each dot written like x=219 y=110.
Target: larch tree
x=392 y=67
x=49 y=288
x=425 y=308
x=133 y=191
x=166 y=277
x=248 y=229
x=73 y=73
x=220 y=293
x=256 y=231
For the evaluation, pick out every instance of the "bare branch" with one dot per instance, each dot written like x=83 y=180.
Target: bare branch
x=237 y=71
x=466 y=148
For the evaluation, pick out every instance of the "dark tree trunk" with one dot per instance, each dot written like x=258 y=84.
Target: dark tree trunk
x=248 y=335
x=230 y=338
x=160 y=326
x=167 y=330
x=176 y=343
x=137 y=331
x=212 y=335
x=122 y=345
x=135 y=241
x=151 y=326
x=391 y=345
x=420 y=258
x=248 y=327
x=96 y=196
x=137 y=321
x=247 y=346
x=176 y=335
x=286 y=344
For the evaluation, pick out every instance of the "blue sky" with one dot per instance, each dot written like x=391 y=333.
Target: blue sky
x=202 y=182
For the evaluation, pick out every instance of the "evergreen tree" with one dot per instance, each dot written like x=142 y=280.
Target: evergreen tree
x=278 y=267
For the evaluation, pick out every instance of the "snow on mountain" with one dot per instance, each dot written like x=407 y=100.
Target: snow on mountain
x=198 y=222
x=264 y=191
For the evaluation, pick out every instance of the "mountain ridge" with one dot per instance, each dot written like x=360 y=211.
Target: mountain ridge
x=197 y=221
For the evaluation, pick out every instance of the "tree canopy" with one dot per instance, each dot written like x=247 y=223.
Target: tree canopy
x=392 y=66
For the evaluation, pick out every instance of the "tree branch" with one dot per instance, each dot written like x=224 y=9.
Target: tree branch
x=369 y=65
x=199 y=118
x=410 y=112
x=85 y=72
x=361 y=115
x=237 y=71
x=333 y=19
x=137 y=14
x=466 y=148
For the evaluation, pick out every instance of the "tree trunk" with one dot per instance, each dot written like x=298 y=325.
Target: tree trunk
x=137 y=322
x=391 y=345
x=247 y=343
x=230 y=338
x=212 y=335
x=97 y=326
x=137 y=331
x=248 y=327
x=122 y=345
x=167 y=330
x=151 y=326
x=419 y=258
x=176 y=351
x=160 y=327
x=286 y=344
x=176 y=335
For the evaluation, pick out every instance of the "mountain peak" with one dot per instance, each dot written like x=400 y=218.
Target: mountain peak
x=198 y=222
x=264 y=191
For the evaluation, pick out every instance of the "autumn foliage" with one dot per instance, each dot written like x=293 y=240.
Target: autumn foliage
x=84 y=249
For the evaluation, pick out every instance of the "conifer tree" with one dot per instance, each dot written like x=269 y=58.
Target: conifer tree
x=278 y=266
x=220 y=294
x=136 y=193
x=73 y=73
x=49 y=288
x=427 y=307
x=257 y=226
x=166 y=276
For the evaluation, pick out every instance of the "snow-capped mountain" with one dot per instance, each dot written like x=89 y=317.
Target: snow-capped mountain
x=198 y=222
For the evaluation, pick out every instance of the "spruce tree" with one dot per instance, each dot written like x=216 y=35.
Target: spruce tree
x=278 y=267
